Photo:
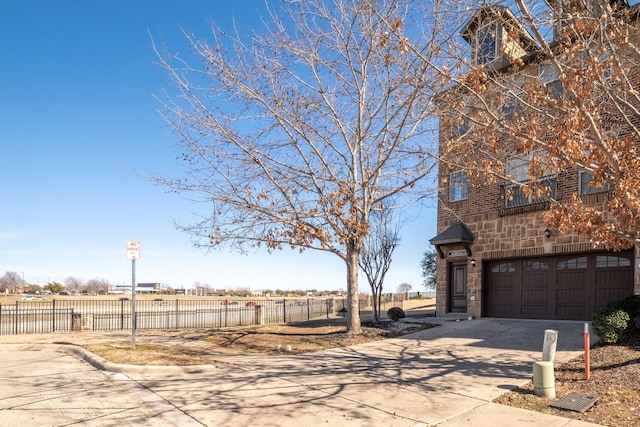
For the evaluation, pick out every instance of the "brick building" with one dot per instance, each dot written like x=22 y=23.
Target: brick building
x=497 y=255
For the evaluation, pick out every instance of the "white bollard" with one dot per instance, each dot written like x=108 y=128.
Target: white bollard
x=544 y=380
x=549 y=345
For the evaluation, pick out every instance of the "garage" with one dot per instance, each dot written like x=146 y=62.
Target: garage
x=567 y=287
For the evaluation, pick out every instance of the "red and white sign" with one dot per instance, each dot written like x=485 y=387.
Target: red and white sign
x=133 y=250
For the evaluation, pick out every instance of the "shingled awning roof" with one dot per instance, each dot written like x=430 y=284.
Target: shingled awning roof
x=456 y=233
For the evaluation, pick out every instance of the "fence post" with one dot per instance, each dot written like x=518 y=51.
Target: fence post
x=259 y=315
x=226 y=311
x=121 y=314
x=284 y=310
x=15 y=327
x=53 y=315
x=177 y=312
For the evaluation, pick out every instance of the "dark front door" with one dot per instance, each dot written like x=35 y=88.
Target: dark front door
x=458 y=288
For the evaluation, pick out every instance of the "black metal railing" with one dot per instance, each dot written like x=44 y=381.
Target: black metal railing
x=25 y=317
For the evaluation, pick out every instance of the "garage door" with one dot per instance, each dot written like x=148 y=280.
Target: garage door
x=569 y=287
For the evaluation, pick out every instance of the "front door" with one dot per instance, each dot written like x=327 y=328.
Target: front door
x=458 y=288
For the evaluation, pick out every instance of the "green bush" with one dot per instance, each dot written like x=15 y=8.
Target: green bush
x=610 y=321
x=395 y=313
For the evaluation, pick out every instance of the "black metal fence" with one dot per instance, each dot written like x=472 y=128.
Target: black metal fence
x=28 y=317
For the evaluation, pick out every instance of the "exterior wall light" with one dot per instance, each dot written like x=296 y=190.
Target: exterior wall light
x=473 y=262
x=547 y=233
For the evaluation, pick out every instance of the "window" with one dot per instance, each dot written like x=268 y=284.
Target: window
x=486 y=44
x=459 y=127
x=604 y=57
x=612 y=261
x=607 y=72
x=514 y=94
x=573 y=264
x=549 y=77
x=585 y=187
x=460 y=123
x=512 y=104
x=534 y=265
x=458 y=186
x=504 y=267
x=518 y=168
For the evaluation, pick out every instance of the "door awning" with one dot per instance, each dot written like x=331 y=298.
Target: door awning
x=456 y=233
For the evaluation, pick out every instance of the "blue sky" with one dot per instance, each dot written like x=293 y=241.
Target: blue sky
x=79 y=129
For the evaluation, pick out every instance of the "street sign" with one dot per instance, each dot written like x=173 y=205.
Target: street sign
x=133 y=250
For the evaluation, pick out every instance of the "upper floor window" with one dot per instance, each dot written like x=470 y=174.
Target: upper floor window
x=597 y=65
x=485 y=47
x=519 y=168
x=604 y=58
x=550 y=78
x=458 y=186
x=459 y=127
x=460 y=123
x=513 y=99
x=585 y=187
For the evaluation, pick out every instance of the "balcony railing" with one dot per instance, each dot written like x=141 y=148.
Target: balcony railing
x=514 y=200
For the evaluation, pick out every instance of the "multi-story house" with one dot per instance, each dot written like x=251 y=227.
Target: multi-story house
x=498 y=257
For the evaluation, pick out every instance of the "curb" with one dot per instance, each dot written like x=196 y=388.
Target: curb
x=105 y=365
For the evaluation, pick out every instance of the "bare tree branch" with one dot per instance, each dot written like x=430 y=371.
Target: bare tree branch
x=293 y=135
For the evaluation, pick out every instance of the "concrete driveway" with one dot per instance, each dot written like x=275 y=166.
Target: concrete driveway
x=445 y=376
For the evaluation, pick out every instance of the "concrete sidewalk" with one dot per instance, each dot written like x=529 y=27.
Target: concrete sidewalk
x=445 y=376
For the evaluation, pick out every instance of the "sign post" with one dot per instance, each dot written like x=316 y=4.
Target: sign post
x=133 y=253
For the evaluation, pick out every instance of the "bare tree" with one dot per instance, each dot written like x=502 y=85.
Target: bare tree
x=403 y=288
x=73 y=284
x=377 y=252
x=97 y=285
x=561 y=97
x=11 y=281
x=292 y=136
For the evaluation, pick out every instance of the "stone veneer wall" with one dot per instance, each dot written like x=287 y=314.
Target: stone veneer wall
x=506 y=237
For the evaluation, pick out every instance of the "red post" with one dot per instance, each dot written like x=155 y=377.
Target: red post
x=587 y=347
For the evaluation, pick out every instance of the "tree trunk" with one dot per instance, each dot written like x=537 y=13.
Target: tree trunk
x=376 y=307
x=353 y=325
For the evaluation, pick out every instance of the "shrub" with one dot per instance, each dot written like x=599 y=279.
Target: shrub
x=395 y=313
x=610 y=321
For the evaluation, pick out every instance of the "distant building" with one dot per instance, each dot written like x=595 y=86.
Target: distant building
x=141 y=288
